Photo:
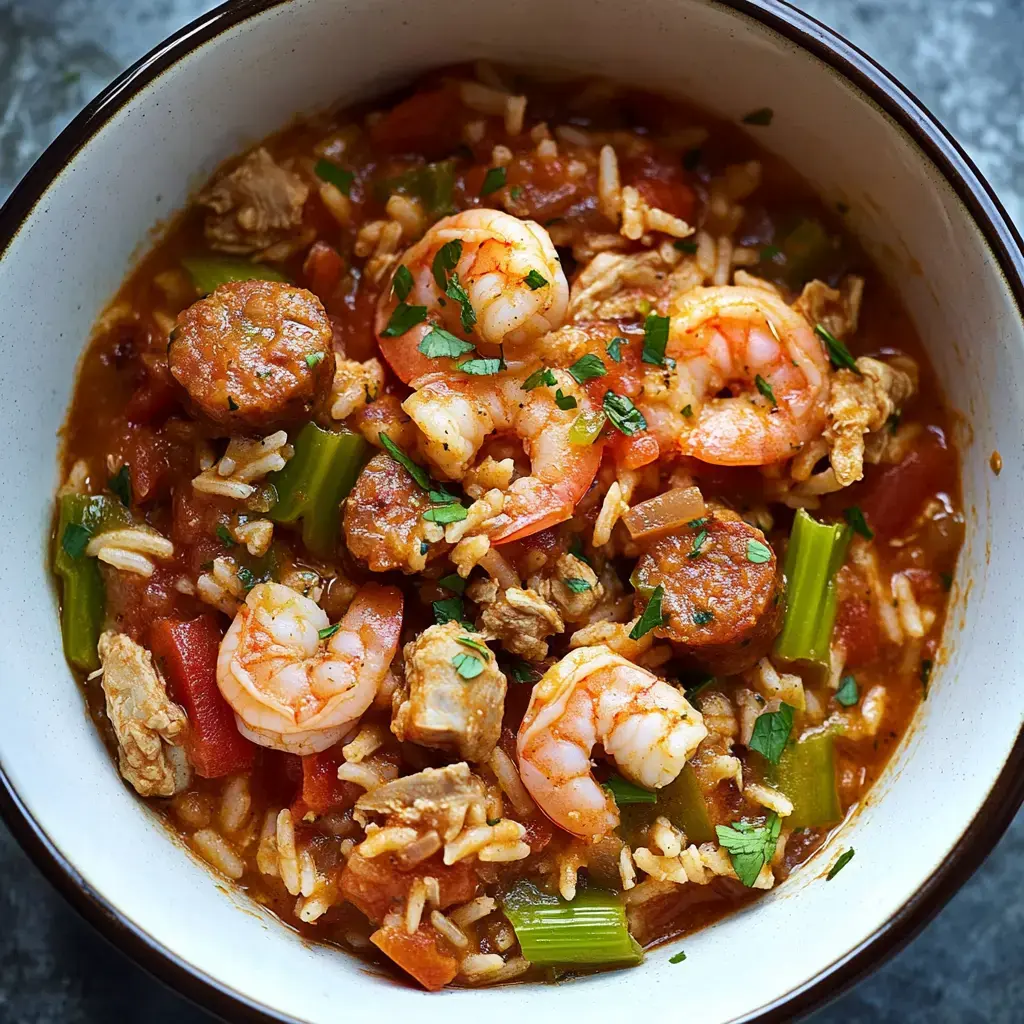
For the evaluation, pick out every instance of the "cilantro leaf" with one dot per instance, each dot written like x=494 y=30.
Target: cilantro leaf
x=458 y=294
x=771 y=732
x=698 y=543
x=614 y=348
x=587 y=368
x=404 y=318
x=564 y=401
x=440 y=344
x=445 y=514
x=418 y=473
x=480 y=367
x=855 y=517
x=328 y=631
x=450 y=609
x=651 y=617
x=401 y=283
x=844 y=859
x=313 y=359
x=469 y=666
x=702 y=616
x=750 y=847
x=494 y=179
x=757 y=552
x=678 y=958
x=576 y=549
x=475 y=645
x=685 y=245
x=538 y=377
x=446 y=259
x=623 y=413
x=224 y=535
x=655 y=339
x=453 y=582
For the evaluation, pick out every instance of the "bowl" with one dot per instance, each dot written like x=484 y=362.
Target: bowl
x=68 y=235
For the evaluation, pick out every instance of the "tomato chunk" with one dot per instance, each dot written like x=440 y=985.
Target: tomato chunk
x=427 y=123
x=187 y=653
x=322 y=790
x=857 y=631
x=323 y=269
x=417 y=954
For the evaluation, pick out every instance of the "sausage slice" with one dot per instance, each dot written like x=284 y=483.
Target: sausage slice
x=254 y=355
x=721 y=603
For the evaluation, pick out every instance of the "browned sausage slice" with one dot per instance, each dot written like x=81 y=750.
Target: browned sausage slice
x=722 y=605
x=383 y=520
x=254 y=355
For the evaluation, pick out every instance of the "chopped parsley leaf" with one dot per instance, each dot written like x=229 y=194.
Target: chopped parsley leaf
x=838 y=354
x=314 y=359
x=685 y=245
x=403 y=319
x=855 y=517
x=534 y=280
x=749 y=846
x=702 y=616
x=651 y=617
x=757 y=552
x=698 y=543
x=232 y=404
x=440 y=344
x=625 y=416
x=418 y=473
x=771 y=732
x=224 y=535
x=769 y=252
x=458 y=294
x=469 y=666
x=538 y=377
x=474 y=645
x=576 y=549
x=121 y=485
x=334 y=175
x=452 y=513
x=446 y=259
x=493 y=180
x=655 y=339
x=480 y=367
x=844 y=859
x=587 y=368
x=246 y=577
x=401 y=283
x=515 y=192
x=766 y=389
x=576 y=585
x=614 y=349
x=678 y=958
x=564 y=401
x=450 y=609
x=453 y=582
x=328 y=631
x=521 y=671
x=687 y=411
x=848 y=693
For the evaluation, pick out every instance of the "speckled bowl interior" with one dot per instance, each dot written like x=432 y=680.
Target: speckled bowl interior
x=955 y=270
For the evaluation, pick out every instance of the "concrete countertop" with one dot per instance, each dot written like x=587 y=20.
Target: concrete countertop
x=965 y=60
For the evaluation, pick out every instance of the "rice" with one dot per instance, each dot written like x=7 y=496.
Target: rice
x=667 y=839
x=287 y=857
x=872 y=709
x=408 y=213
x=366 y=741
x=266 y=851
x=485 y=508
x=448 y=930
x=613 y=508
x=508 y=778
x=770 y=798
x=705 y=255
x=907 y=607
x=307 y=873
x=361 y=775
x=568 y=874
x=627 y=870
x=217 y=852
x=489 y=968
x=339 y=206
x=547 y=149
x=419 y=850
x=244 y=462
x=499 y=843
x=386 y=840
x=609 y=187
x=235 y=803
x=483 y=98
x=257 y=536
x=864 y=558
x=573 y=136
x=129 y=549
x=515 y=114
x=501 y=156
x=467 y=554
x=414 y=905
x=723 y=261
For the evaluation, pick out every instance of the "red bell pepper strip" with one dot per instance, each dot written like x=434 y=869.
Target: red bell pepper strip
x=186 y=652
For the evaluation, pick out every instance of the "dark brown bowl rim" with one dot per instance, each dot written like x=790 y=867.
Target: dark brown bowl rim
x=1007 y=793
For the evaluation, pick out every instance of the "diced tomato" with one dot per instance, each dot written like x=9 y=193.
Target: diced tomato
x=376 y=886
x=323 y=269
x=892 y=499
x=857 y=631
x=539 y=832
x=427 y=123
x=418 y=954
x=634 y=450
x=322 y=790
x=149 y=458
x=660 y=180
x=156 y=396
x=353 y=323
x=187 y=653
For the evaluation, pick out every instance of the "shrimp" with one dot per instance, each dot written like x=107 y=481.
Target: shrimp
x=505 y=269
x=457 y=412
x=291 y=687
x=746 y=340
x=594 y=696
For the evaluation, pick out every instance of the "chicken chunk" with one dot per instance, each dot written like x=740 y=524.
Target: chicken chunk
x=836 y=310
x=147 y=723
x=860 y=405
x=435 y=798
x=257 y=204
x=438 y=706
x=572 y=588
x=520 y=619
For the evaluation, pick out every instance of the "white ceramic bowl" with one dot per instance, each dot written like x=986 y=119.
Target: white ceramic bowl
x=68 y=235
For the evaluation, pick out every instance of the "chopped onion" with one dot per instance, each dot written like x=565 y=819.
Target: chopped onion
x=499 y=569
x=664 y=513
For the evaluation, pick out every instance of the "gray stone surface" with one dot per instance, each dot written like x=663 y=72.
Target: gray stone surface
x=964 y=59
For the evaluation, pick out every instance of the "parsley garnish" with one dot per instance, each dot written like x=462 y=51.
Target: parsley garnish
x=480 y=367
x=702 y=616
x=761 y=117
x=453 y=582
x=314 y=359
x=750 y=847
x=623 y=413
x=771 y=732
x=564 y=401
x=520 y=671
x=838 y=353
x=418 y=473
x=445 y=514
x=121 y=485
x=474 y=644
x=328 y=631
x=614 y=348
x=224 y=535
x=449 y=609
x=766 y=389
x=848 y=693
x=844 y=859
x=576 y=585
x=678 y=958
x=687 y=411
x=534 y=280
x=652 y=617
x=769 y=252
x=401 y=283
x=446 y=259
x=403 y=319
x=337 y=176
x=246 y=577
x=655 y=339
x=469 y=666
x=440 y=496
x=493 y=180
x=858 y=523
x=515 y=192
x=440 y=344
x=685 y=245
x=587 y=368
x=457 y=293
x=538 y=377
x=693 y=691
x=576 y=549
x=698 y=543
x=758 y=553
x=75 y=539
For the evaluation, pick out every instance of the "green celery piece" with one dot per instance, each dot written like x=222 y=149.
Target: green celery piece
x=83 y=598
x=815 y=554
x=806 y=773
x=590 y=931
x=316 y=480
x=681 y=801
x=207 y=272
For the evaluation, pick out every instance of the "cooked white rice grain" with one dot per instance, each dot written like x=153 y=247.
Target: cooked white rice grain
x=217 y=852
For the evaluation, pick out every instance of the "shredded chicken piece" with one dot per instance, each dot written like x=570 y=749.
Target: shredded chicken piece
x=836 y=311
x=257 y=204
x=862 y=404
x=614 y=635
x=443 y=799
x=146 y=722
x=520 y=619
x=610 y=273
x=355 y=386
x=571 y=586
x=438 y=706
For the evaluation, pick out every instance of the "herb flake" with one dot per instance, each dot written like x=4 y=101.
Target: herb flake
x=614 y=349
x=749 y=846
x=448 y=609
x=469 y=666
x=651 y=617
x=539 y=377
x=453 y=582
x=771 y=732
x=577 y=585
x=855 y=517
x=75 y=539
x=121 y=485
x=401 y=283
x=702 y=616
x=848 y=693
x=757 y=552
x=313 y=359
x=534 y=280
x=441 y=344
x=328 y=631
x=655 y=339
x=844 y=859
x=838 y=354
x=698 y=544
x=339 y=177
x=587 y=368
x=418 y=473
x=451 y=513
x=625 y=416
x=403 y=319
x=766 y=389
x=494 y=179
x=564 y=402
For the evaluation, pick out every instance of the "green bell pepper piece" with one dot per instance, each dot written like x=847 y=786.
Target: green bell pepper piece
x=207 y=272
x=316 y=480
x=83 y=600
x=681 y=801
x=806 y=773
